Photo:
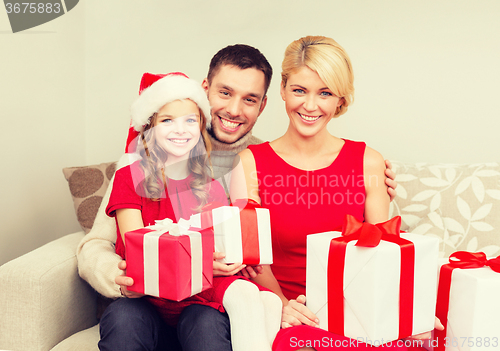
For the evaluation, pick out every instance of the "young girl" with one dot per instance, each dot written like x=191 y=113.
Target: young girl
x=170 y=179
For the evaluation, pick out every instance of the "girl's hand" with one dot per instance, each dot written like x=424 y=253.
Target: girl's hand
x=296 y=313
x=222 y=269
x=125 y=282
x=251 y=272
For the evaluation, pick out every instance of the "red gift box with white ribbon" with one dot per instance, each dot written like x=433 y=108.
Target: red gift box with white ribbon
x=371 y=282
x=242 y=231
x=468 y=304
x=170 y=261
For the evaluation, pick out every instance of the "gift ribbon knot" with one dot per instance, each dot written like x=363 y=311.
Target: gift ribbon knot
x=367 y=234
x=168 y=226
x=370 y=235
x=462 y=260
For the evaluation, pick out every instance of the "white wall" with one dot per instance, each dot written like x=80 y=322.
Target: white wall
x=42 y=112
x=426 y=71
x=426 y=82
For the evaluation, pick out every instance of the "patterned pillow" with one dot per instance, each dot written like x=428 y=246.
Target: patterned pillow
x=88 y=186
x=460 y=204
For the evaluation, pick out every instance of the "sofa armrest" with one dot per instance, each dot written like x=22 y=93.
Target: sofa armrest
x=42 y=299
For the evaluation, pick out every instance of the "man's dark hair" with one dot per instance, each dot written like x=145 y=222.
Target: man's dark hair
x=242 y=56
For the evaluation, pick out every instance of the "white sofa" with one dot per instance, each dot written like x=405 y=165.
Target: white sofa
x=45 y=305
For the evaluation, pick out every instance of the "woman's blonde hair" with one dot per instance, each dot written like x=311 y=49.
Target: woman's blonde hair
x=328 y=59
x=153 y=159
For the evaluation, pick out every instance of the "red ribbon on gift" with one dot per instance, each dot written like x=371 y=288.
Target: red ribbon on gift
x=462 y=260
x=369 y=235
x=249 y=230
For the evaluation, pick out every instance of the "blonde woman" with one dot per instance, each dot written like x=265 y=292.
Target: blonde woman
x=308 y=178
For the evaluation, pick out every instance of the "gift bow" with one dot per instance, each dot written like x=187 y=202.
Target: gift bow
x=463 y=260
x=168 y=226
x=369 y=235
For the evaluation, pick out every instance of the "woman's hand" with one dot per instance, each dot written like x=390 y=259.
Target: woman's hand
x=427 y=335
x=123 y=281
x=296 y=313
x=222 y=269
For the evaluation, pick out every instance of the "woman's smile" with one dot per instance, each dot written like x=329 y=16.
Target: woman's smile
x=308 y=118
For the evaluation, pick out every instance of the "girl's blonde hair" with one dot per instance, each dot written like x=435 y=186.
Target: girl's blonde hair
x=328 y=59
x=153 y=159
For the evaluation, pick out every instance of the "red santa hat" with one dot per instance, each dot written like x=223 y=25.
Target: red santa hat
x=155 y=91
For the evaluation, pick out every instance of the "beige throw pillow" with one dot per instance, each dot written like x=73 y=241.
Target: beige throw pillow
x=87 y=186
x=460 y=204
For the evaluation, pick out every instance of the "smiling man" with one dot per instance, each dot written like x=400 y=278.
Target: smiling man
x=236 y=85
x=237 y=94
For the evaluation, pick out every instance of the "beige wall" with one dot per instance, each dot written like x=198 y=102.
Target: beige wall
x=426 y=82
x=42 y=110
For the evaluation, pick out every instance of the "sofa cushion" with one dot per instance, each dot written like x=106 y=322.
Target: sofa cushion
x=460 y=204
x=86 y=340
x=87 y=186
x=42 y=298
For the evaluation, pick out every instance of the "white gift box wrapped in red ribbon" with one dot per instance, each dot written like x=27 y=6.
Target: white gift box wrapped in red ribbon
x=170 y=261
x=242 y=231
x=468 y=303
x=371 y=283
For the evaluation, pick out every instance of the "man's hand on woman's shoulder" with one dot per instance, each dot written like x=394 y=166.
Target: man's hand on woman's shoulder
x=390 y=180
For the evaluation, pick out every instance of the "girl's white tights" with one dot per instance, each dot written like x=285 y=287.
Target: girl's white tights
x=255 y=316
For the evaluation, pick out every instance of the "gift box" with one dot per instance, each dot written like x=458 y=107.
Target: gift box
x=371 y=283
x=169 y=260
x=242 y=231
x=468 y=303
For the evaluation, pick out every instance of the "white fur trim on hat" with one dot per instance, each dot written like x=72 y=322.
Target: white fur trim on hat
x=163 y=91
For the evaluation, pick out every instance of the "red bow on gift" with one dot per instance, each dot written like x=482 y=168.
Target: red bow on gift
x=463 y=260
x=369 y=235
